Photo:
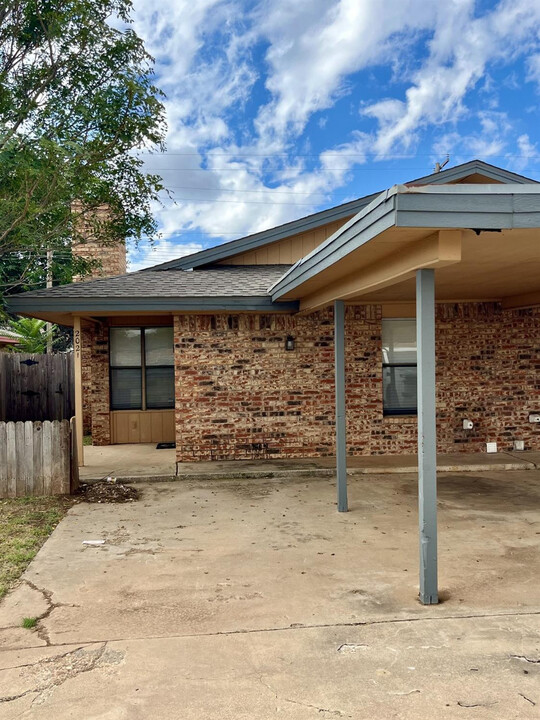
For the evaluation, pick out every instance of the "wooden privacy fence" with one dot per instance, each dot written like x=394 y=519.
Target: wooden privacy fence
x=38 y=458
x=36 y=387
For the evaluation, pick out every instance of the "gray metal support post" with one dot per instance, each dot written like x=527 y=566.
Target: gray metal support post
x=427 y=435
x=341 y=431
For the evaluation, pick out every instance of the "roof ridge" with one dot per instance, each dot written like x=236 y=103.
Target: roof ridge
x=218 y=266
x=323 y=217
x=341 y=210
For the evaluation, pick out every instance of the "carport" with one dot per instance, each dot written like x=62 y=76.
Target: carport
x=420 y=245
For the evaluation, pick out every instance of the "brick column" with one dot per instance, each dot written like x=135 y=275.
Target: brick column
x=101 y=425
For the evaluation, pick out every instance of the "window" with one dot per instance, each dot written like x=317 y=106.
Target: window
x=399 y=366
x=142 y=368
x=159 y=367
x=126 y=368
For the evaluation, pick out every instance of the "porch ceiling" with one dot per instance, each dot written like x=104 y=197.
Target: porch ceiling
x=482 y=240
x=493 y=266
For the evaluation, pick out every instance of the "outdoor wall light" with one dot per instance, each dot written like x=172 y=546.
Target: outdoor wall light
x=289 y=343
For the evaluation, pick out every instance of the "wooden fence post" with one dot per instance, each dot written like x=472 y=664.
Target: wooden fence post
x=77 y=350
x=74 y=470
x=3 y=461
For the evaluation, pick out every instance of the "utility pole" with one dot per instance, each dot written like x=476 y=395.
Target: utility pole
x=49 y=285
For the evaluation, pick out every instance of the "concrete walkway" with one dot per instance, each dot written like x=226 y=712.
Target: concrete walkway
x=250 y=599
x=134 y=462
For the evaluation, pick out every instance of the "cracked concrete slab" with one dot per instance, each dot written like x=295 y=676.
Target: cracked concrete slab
x=440 y=666
x=40 y=678
x=13 y=637
x=247 y=598
x=23 y=602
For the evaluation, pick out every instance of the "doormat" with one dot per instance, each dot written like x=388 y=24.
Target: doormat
x=166 y=446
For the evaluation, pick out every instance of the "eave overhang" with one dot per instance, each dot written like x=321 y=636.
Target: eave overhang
x=110 y=306
x=440 y=207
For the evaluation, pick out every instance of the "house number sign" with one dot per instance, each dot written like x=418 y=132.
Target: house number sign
x=77 y=343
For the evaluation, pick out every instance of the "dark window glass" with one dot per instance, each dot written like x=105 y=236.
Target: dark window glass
x=126 y=389
x=399 y=366
x=399 y=390
x=159 y=387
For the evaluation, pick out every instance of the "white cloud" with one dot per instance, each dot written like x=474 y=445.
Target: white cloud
x=236 y=168
x=493 y=137
x=526 y=148
x=162 y=251
x=315 y=46
x=460 y=49
x=533 y=69
x=526 y=151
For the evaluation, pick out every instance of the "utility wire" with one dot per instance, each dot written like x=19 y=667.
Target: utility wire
x=244 y=202
x=266 y=190
x=325 y=153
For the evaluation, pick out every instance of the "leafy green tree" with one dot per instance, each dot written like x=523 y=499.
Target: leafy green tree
x=32 y=334
x=77 y=108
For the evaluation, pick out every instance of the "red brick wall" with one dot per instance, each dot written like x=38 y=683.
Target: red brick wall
x=101 y=430
x=488 y=363
x=112 y=259
x=86 y=356
x=241 y=395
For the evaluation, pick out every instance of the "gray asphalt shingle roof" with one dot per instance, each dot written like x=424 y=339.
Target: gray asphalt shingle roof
x=217 y=281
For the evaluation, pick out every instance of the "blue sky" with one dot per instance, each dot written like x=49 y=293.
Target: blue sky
x=279 y=108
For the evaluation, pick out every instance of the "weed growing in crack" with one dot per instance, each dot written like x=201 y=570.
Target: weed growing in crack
x=29 y=623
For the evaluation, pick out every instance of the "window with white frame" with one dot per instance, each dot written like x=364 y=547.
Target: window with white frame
x=141 y=368
x=399 y=366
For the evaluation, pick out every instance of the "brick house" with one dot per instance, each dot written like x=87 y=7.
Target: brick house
x=230 y=352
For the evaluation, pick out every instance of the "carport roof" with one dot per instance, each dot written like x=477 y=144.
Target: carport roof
x=397 y=220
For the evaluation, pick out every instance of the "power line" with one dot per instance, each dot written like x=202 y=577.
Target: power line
x=265 y=190
x=244 y=202
x=22 y=283
x=210 y=153
x=243 y=169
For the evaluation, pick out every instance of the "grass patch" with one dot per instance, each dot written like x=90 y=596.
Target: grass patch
x=25 y=524
x=29 y=623
x=87 y=440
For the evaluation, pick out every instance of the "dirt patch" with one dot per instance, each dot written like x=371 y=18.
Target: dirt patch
x=105 y=491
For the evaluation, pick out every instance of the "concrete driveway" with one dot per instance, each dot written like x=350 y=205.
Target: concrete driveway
x=254 y=599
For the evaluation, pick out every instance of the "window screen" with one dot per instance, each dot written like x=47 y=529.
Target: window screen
x=158 y=345
x=125 y=350
x=159 y=387
x=399 y=366
x=126 y=389
x=159 y=358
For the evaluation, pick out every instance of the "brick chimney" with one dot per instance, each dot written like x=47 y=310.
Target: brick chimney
x=112 y=257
